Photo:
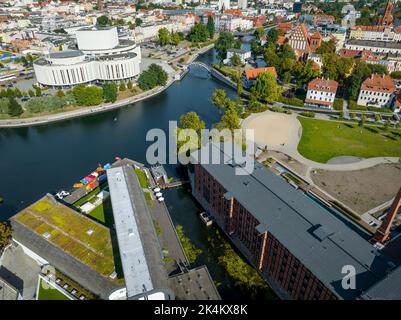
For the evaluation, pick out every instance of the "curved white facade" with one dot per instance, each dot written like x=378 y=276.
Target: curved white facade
x=101 y=57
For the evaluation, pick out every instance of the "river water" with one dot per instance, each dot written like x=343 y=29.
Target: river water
x=48 y=158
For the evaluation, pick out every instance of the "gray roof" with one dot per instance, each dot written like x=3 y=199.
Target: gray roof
x=320 y=240
x=377 y=44
x=65 y=54
x=139 y=248
x=387 y=289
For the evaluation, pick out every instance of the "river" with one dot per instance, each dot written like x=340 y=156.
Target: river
x=48 y=158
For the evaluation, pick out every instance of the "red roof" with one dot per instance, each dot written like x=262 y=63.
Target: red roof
x=317 y=35
x=253 y=73
x=324 y=85
x=327 y=103
x=379 y=83
x=281 y=40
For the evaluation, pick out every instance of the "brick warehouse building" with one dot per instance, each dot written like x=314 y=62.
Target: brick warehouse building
x=297 y=245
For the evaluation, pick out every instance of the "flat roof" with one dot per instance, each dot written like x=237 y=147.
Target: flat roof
x=387 y=289
x=320 y=240
x=140 y=250
x=84 y=239
x=135 y=267
x=66 y=54
x=378 y=44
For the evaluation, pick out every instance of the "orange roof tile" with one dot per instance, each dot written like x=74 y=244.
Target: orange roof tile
x=253 y=73
x=325 y=85
x=379 y=83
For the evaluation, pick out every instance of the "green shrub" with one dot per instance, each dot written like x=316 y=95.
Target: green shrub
x=384 y=110
x=352 y=105
x=338 y=104
x=292 y=101
x=308 y=114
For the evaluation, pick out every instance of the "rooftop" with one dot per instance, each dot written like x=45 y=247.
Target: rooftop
x=379 y=83
x=253 y=73
x=69 y=230
x=325 y=85
x=320 y=240
x=138 y=244
x=375 y=44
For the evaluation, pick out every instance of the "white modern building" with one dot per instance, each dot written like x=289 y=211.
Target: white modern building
x=100 y=56
x=244 y=55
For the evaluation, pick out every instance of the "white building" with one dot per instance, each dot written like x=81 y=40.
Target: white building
x=101 y=56
x=321 y=93
x=244 y=55
x=377 y=91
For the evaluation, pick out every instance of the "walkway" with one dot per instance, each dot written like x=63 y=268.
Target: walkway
x=282 y=132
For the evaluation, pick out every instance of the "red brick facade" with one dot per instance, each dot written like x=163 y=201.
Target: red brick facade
x=269 y=255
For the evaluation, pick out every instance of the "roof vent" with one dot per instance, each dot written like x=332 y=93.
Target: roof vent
x=321 y=232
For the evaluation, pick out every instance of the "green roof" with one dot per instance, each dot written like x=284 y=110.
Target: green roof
x=79 y=236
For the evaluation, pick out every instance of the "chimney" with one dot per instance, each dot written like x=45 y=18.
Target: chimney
x=383 y=232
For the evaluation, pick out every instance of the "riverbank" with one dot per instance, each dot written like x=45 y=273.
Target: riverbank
x=46 y=119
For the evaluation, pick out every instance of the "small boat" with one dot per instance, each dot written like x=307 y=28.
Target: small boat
x=206 y=219
x=159 y=194
x=78 y=185
x=160 y=199
x=156 y=189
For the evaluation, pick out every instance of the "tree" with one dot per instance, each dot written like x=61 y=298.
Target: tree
x=38 y=91
x=198 y=33
x=219 y=98
x=396 y=75
x=240 y=87
x=102 y=21
x=256 y=48
x=14 y=108
x=164 y=37
x=210 y=26
x=110 y=92
x=154 y=76
x=224 y=42
x=175 y=38
x=236 y=60
x=230 y=119
x=272 y=36
x=5 y=235
x=130 y=85
x=138 y=22
x=266 y=88
x=123 y=87
x=17 y=93
x=87 y=96
x=191 y=120
x=31 y=93
x=327 y=47
x=60 y=93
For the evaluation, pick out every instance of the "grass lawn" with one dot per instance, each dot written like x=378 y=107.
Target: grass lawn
x=50 y=293
x=68 y=230
x=143 y=180
x=322 y=140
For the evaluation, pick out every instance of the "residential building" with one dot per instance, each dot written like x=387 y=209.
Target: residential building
x=243 y=54
x=377 y=91
x=374 y=46
x=101 y=56
x=321 y=93
x=250 y=75
x=298 y=247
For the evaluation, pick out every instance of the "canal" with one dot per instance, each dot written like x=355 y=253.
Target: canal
x=48 y=158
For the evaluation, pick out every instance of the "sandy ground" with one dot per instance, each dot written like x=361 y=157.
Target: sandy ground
x=273 y=129
x=363 y=189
